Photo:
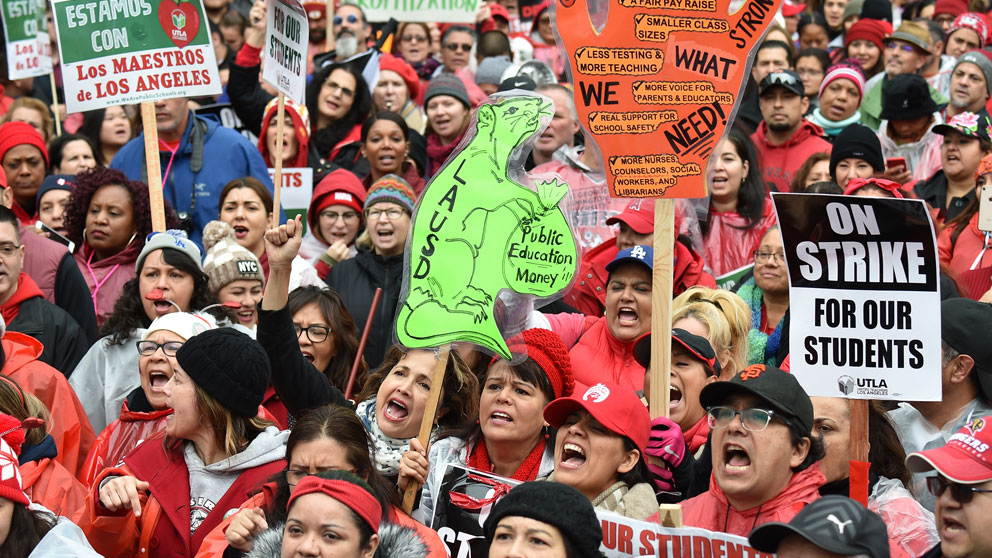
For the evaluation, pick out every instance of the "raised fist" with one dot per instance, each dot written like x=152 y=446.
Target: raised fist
x=657 y=87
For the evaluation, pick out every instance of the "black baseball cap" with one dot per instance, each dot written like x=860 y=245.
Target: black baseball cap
x=779 y=388
x=960 y=328
x=698 y=347
x=834 y=523
x=782 y=78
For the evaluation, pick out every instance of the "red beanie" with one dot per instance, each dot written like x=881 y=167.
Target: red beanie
x=544 y=347
x=339 y=187
x=871 y=30
x=389 y=62
x=11 y=438
x=355 y=496
x=13 y=134
x=953 y=7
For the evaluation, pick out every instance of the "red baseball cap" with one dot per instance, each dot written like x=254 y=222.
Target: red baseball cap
x=790 y=8
x=615 y=407
x=638 y=215
x=965 y=459
x=315 y=10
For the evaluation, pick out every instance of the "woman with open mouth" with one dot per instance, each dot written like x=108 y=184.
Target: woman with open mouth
x=511 y=438
x=599 y=449
x=144 y=412
x=246 y=205
x=169 y=279
x=107 y=217
x=235 y=273
x=386 y=145
x=767 y=295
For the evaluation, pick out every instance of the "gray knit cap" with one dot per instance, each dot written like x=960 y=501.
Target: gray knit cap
x=170 y=239
x=491 y=70
x=447 y=84
x=981 y=59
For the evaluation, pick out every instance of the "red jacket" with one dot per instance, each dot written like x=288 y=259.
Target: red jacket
x=728 y=246
x=48 y=483
x=119 y=438
x=597 y=356
x=959 y=258
x=588 y=294
x=164 y=525
x=711 y=510
x=69 y=426
x=780 y=162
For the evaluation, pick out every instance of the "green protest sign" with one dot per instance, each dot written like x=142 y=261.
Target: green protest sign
x=115 y=52
x=451 y=11
x=29 y=51
x=478 y=230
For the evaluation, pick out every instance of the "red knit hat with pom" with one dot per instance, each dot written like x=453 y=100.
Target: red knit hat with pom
x=545 y=348
x=11 y=438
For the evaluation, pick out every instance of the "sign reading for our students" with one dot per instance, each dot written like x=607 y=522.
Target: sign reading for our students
x=131 y=51
x=286 y=37
x=466 y=498
x=451 y=11
x=29 y=51
x=864 y=298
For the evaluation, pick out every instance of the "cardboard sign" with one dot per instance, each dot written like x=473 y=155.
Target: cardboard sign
x=29 y=50
x=864 y=296
x=466 y=498
x=286 y=38
x=657 y=87
x=480 y=229
x=117 y=53
x=449 y=11
x=297 y=190
x=225 y=114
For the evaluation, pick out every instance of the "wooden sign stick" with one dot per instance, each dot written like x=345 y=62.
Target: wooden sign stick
x=277 y=179
x=427 y=423
x=661 y=328
x=859 y=440
x=154 y=166
x=55 y=103
x=329 y=17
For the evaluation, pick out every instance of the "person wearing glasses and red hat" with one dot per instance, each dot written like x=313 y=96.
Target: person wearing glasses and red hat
x=764 y=456
x=963 y=488
x=636 y=222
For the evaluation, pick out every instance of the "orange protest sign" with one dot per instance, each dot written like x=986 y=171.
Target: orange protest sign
x=658 y=86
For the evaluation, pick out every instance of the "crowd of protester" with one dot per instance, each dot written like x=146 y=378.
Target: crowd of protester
x=186 y=392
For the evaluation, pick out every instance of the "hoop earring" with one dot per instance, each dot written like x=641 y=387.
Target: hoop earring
x=84 y=235
x=133 y=236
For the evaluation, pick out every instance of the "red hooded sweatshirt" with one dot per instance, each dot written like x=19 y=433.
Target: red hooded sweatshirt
x=780 y=162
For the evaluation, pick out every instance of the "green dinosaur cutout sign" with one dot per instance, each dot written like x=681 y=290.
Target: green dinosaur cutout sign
x=478 y=231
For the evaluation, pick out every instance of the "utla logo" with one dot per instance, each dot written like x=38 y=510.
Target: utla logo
x=180 y=22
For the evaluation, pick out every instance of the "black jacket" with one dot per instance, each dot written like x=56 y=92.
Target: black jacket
x=65 y=342
x=934 y=191
x=298 y=384
x=73 y=296
x=356 y=279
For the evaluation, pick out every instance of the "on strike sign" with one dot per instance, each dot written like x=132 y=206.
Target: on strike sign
x=29 y=51
x=131 y=51
x=864 y=298
x=286 y=37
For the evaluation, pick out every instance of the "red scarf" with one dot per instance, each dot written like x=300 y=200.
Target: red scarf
x=478 y=459
x=26 y=288
x=696 y=435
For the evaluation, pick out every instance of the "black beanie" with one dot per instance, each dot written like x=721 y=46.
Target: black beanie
x=857 y=142
x=556 y=504
x=876 y=9
x=230 y=366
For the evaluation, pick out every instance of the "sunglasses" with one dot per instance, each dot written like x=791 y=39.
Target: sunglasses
x=454 y=47
x=962 y=493
x=781 y=78
x=352 y=18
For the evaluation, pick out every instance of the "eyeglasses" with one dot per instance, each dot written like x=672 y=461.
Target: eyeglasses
x=763 y=257
x=414 y=39
x=905 y=47
x=335 y=87
x=352 y=18
x=332 y=216
x=391 y=214
x=8 y=250
x=453 y=47
x=148 y=348
x=315 y=333
x=753 y=420
x=962 y=493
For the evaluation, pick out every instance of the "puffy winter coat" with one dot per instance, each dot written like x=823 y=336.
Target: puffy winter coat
x=711 y=510
x=728 y=245
x=780 y=162
x=164 y=526
x=69 y=426
x=355 y=280
x=588 y=294
x=123 y=435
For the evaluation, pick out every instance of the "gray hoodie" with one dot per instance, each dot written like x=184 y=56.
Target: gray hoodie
x=209 y=483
